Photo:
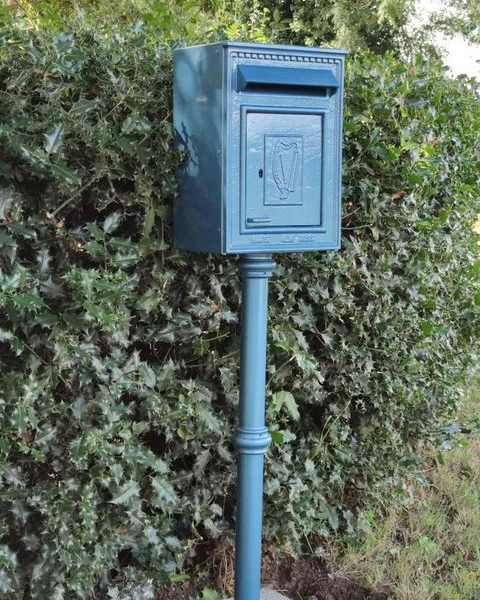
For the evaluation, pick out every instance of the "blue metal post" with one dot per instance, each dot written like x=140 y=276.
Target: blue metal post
x=252 y=438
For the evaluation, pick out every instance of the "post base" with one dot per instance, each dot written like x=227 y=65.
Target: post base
x=269 y=594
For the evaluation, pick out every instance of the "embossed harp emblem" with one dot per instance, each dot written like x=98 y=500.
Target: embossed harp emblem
x=284 y=166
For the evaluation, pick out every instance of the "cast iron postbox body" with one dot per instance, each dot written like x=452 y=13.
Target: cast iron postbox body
x=261 y=126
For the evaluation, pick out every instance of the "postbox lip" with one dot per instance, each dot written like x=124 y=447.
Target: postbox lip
x=282 y=77
x=272 y=47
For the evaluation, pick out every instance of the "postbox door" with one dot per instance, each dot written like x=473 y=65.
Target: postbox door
x=282 y=167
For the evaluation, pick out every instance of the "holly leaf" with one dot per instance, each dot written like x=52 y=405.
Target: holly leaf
x=131 y=488
x=286 y=400
x=112 y=222
x=54 y=139
x=164 y=491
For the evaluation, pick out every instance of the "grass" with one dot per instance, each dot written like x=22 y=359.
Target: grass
x=429 y=547
x=426 y=547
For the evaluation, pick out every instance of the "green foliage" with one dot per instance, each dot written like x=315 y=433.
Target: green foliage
x=119 y=355
x=427 y=545
x=378 y=25
x=197 y=21
x=169 y=20
x=458 y=17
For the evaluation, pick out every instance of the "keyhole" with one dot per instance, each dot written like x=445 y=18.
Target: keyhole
x=260 y=173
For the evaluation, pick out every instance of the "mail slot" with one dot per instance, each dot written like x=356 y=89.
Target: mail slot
x=285 y=79
x=261 y=127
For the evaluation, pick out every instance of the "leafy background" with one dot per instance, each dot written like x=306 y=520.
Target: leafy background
x=119 y=354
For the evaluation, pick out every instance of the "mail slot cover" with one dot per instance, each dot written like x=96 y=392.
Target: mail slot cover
x=286 y=77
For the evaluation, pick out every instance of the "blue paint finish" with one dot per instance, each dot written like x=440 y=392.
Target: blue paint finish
x=287 y=148
x=252 y=438
x=250 y=76
x=261 y=125
x=199 y=123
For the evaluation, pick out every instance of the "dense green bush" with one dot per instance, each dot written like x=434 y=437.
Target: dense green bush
x=344 y=23
x=119 y=355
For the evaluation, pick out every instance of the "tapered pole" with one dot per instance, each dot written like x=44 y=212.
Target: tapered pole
x=252 y=438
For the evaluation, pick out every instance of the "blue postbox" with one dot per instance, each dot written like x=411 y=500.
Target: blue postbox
x=261 y=126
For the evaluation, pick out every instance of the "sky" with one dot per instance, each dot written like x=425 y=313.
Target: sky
x=460 y=56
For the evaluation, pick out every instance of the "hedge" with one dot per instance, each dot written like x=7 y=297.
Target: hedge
x=119 y=354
